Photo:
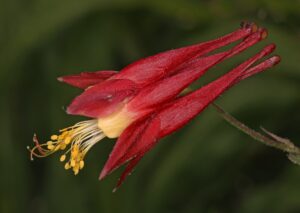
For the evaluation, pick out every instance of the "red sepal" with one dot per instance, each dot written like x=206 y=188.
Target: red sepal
x=166 y=89
x=147 y=70
x=103 y=98
x=142 y=135
x=127 y=171
x=136 y=139
x=182 y=110
x=87 y=79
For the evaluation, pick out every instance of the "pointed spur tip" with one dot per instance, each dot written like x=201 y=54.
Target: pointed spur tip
x=254 y=27
x=264 y=33
x=270 y=48
x=275 y=60
x=249 y=25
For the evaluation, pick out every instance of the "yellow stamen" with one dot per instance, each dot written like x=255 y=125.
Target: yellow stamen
x=63 y=146
x=50 y=147
x=67 y=166
x=57 y=148
x=73 y=163
x=81 y=164
x=76 y=171
x=62 y=158
x=68 y=140
x=78 y=138
x=54 y=137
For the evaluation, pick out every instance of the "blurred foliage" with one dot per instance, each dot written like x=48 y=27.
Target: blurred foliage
x=207 y=166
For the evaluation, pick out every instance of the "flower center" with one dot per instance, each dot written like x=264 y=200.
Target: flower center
x=79 y=138
x=114 y=124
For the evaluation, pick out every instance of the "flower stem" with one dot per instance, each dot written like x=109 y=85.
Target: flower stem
x=267 y=138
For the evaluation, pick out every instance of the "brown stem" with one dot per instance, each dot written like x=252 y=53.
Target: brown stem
x=268 y=138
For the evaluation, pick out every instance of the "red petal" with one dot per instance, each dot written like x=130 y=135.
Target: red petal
x=154 y=67
x=87 y=79
x=102 y=99
x=138 y=138
x=260 y=67
x=131 y=165
x=182 y=110
x=166 y=89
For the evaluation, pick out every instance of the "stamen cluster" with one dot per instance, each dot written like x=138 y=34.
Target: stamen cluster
x=81 y=137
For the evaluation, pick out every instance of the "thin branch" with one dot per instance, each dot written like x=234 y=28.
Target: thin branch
x=268 y=138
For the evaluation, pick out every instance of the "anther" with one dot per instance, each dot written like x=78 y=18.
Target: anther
x=54 y=137
x=73 y=163
x=63 y=146
x=81 y=164
x=62 y=158
x=67 y=140
x=76 y=171
x=64 y=134
x=67 y=166
x=50 y=147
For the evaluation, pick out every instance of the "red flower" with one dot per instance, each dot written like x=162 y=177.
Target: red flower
x=143 y=103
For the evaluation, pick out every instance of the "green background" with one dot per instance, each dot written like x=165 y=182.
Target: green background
x=207 y=166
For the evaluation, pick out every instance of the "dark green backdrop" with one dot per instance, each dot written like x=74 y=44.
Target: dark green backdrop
x=207 y=166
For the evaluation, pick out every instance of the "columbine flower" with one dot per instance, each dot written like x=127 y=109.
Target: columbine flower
x=143 y=103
